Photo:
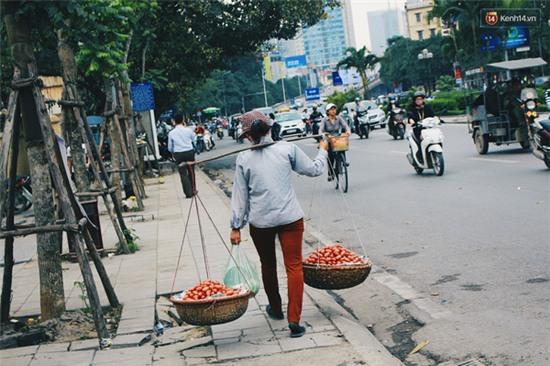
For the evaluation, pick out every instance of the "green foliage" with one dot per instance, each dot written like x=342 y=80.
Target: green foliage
x=341 y=98
x=83 y=296
x=242 y=78
x=445 y=83
x=362 y=60
x=131 y=239
x=400 y=64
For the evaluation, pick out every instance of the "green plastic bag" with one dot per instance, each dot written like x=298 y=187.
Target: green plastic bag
x=241 y=271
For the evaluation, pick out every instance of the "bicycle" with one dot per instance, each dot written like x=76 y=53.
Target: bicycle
x=339 y=168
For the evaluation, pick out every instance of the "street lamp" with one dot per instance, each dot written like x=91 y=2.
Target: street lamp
x=426 y=55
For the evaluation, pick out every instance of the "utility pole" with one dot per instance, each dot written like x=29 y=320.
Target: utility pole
x=299 y=85
x=263 y=83
x=284 y=93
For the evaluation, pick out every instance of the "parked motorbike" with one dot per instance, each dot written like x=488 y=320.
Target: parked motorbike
x=428 y=153
x=239 y=132
x=23 y=194
x=219 y=132
x=363 y=124
x=396 y=123
x=539 y=131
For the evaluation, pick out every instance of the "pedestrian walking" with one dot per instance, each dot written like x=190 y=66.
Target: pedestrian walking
x=264 y=198
x=180 y=144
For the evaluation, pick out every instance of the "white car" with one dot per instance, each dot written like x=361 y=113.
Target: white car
x=291 y=124
x=375 y=116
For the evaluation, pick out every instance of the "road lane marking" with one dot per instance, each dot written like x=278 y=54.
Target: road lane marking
x=502 y=161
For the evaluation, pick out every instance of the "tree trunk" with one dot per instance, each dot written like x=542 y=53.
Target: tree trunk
x=70 y=124
x=365 y=82
x=52 y=299
x=114 y=141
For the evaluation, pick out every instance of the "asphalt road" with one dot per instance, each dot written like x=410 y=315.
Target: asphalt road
x=475 y=242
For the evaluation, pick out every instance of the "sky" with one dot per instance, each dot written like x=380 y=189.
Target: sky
x=360 y=8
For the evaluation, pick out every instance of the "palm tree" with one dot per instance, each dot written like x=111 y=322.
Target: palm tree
x=362 y=60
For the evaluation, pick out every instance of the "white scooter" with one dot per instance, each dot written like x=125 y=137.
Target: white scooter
x=431 y=145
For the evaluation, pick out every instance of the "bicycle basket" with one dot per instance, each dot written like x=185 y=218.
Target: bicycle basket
x=339 y=143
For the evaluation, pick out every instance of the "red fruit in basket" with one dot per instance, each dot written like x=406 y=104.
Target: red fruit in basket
x=333 y=255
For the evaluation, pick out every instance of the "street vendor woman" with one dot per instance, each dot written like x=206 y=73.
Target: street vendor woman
x=264 y=198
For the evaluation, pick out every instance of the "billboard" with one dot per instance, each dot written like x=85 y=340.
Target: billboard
x=295 y=61
x=142 y=96
x=513 y=37
x=313 y=93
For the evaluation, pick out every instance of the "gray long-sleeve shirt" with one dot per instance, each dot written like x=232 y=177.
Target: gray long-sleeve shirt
x=334 y=128
x=262 y=187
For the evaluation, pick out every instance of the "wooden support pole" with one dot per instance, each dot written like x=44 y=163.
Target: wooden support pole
x=10 y=142
x=16 y=232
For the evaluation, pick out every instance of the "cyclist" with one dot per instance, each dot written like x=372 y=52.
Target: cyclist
x=333 y=125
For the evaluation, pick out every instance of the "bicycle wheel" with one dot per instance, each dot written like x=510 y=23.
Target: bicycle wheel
x=335 y=170
x=343 y=173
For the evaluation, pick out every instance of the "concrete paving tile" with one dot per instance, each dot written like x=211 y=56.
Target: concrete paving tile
x=16 y=361
x=18 y=351
x=204 y=351
x=228 y=351
x=327 y=338
x=129 y=339
x=84 y=345
x=140 y=355
x=53 y=347
x=79 y=358
x=293 y=344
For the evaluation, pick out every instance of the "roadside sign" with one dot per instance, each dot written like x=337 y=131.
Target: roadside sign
x=295 y=61
x=336 y=79
x=142 y=97
x=313 y=94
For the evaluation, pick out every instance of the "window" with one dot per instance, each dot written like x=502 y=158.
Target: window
x=432 y=32
x=420 y=35
x=418 y=17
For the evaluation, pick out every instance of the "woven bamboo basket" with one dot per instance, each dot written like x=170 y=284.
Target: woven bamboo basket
x=336 y=277
x=212 y=311
x=339 y=143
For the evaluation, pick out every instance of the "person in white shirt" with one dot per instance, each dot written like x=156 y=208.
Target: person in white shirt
x=180 y=144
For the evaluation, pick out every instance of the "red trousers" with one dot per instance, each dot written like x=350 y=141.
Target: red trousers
x=290 y=237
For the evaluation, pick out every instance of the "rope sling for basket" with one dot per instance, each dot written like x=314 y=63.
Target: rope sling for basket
x=195 y=200
x=344 y=200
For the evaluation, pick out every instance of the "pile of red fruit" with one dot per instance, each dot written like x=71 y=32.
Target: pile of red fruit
x=209 y=289
x=333 y=255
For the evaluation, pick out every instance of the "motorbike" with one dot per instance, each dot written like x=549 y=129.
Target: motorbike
x=23 y=194
x=430 y=153
x=219 y=132
x=239 y=132
x=538 y=131
x=208 y=141
x=363 y=124
x=397 y=126
x=199 y=143
x=315 y=126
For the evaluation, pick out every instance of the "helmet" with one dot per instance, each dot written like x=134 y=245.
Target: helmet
x=419 y=94
x=314 y=107
x=251 y=119
x=357 y=99
x=330 y=106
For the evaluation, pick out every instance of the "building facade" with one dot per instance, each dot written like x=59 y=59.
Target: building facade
x=419 y=24
x=383 y=24
x=325 y=42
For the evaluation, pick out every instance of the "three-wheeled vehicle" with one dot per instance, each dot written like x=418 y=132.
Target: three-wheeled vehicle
x=494 y=113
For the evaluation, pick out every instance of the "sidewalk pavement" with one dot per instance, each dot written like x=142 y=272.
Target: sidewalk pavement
x=333 y=336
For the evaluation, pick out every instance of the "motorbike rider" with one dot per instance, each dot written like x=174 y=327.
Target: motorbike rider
x=315 y=115
x=275 y=128
x=333 y=125
x=417 y=112
x=358 y=109
x=394 y=104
